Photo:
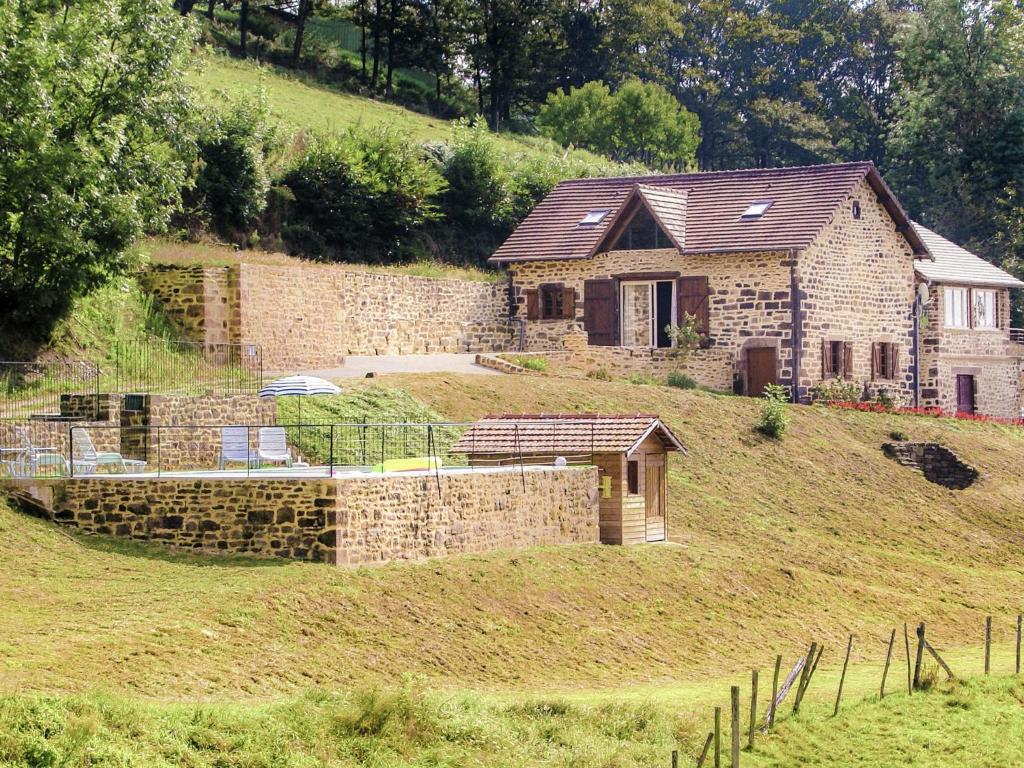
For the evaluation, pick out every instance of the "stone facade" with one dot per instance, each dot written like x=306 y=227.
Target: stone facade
x=345 y=520
x=749 y=306
x=855 y=284
x=988 y=355
x=309 y=316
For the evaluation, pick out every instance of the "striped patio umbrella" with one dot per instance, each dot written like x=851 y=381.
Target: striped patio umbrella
x=299 y=386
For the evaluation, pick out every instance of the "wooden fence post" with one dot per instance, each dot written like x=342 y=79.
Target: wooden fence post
x=842 y=677
x=704 y=752
x=753 y=709
x=675 y=758
x=920 y=655
x=735 y=726
x=804 y=674
x=775 y=687
x=718 y=737
x=888 y=658
x=1019 y=618
x=906 y=640
x=988 y=644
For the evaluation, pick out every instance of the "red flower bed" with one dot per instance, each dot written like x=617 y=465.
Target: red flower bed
x=873 y=407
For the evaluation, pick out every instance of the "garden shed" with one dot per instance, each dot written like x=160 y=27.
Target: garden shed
x=630 y=451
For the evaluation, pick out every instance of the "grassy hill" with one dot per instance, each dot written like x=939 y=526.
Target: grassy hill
x=300 y=102
x=507 y=654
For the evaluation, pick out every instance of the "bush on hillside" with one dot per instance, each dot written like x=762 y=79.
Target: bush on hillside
x=680 y=381
x=363 y=196
x=773 y=419
x=836 y=391
x=232 y=182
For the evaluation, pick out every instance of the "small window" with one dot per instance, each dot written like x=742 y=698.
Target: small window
x=836 y=359
x=956 y=306
x=594 y=217
x=757 y=209
x=855 y=209
x=984 y=303
x=884 y=360
x=633 y=477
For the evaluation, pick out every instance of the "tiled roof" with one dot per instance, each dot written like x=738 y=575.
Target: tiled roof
x=705 y=209
x=560 y=434
x=954 y=264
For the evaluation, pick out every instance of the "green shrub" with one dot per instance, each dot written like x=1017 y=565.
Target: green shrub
x=898 y=435
x=532 y=363
x=884 y=399
x=774 y=417
x=599 y=374
x=642 y=378
x=681 y=381
x=836 y=391
x=364 y=196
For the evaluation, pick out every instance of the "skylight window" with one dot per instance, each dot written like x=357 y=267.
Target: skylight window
x=594 y=217
x=757 y=209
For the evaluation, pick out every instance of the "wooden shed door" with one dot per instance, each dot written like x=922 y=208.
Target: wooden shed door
x=601 y=312
x=654 y=498
x=762 y=364
x=964 y=393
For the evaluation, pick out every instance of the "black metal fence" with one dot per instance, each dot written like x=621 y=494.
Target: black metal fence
x=185 y=367
x=41 y=449
x=34 y=390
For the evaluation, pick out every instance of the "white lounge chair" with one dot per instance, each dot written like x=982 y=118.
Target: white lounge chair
x=234 y=447
x=35 y=458
x=86 y=459
x=273 y=445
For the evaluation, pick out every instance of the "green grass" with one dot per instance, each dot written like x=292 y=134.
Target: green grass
x=301 y=103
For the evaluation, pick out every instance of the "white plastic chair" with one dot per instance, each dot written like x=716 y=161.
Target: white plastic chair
x=273 y=445
x=234 y=447
x=33 y=457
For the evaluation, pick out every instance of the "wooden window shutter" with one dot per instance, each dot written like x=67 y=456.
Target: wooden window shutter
x=601 y=312
x=568 y=303
x=532 y=304
x=847 y=359
x=826 y=359
x=893 y=360
x=693 y=298
x=876 y=360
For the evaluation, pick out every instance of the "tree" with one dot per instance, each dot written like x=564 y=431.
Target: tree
x=95 y=142
x=639 y=122
x=957 y=145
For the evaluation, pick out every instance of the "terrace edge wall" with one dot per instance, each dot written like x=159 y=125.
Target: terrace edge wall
x=346 y=521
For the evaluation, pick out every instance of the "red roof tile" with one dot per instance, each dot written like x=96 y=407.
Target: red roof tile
x=701 y=210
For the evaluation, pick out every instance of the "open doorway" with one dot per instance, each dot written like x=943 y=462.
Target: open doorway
x=647 y=308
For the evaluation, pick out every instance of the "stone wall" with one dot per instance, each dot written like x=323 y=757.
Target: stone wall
x=345 y=520
x=749 y=305
x=988 y=355
x=310 y=316
x=857 y=285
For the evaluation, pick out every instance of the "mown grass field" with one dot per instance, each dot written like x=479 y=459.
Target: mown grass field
x=581 y=655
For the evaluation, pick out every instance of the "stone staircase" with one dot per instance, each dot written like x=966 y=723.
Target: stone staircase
x=937 y=463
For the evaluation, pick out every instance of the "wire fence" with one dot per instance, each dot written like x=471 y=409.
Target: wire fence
x=53 y=449
x=35 y=390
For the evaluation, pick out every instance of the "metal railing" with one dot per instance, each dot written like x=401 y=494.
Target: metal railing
x=1017 y=335
x=167 y=366
x=35 y=390
x=38 y=450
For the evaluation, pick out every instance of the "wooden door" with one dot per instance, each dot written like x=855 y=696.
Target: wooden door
x=965 y=391
x=654 y=498
x=601 y=312
x=762 y=364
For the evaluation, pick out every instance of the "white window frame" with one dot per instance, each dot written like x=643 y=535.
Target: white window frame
x=989 y=303
x=956 y=307
x=652 y=295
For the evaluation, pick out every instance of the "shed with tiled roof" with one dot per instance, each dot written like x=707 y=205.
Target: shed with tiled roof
x=630 y=450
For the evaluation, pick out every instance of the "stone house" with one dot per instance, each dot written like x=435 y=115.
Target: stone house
x=793 y=275
x=971 y=360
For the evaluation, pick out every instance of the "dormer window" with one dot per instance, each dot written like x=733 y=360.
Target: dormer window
x=594 y=217
x=756 y=209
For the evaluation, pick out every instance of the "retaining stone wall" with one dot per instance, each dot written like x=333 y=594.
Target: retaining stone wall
x=348 y=521
x=311 y=316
